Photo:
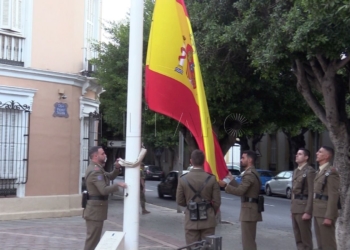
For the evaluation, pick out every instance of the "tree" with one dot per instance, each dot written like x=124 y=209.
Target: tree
x=112 y=73
x=233 y=86
x=310 y=39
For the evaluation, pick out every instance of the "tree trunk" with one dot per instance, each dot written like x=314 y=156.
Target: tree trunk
x=294 y=143
x=244 y=143
x=256 y=139
x=189 y=139
x=341 y=142
x=226 y=143
x=332 y=113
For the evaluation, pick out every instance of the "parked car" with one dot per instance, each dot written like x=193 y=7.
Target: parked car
x=153 y=172
x=265 y=176
x=280 y=184
x=234 y=170
x=168 y=185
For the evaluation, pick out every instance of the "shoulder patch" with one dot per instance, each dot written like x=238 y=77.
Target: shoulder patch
x=100 y=177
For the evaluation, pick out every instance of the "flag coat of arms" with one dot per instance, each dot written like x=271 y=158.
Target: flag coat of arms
x=174 y=84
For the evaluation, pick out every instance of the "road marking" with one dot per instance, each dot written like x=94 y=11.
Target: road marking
x=226 y=198
x=269 y=205
x=149 y=190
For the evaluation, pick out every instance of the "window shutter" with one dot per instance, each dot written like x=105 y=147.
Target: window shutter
x=90 y=27
x=5 y=21
x=16 y=15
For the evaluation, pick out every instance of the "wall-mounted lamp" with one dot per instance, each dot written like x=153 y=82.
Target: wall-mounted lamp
x=61 y=94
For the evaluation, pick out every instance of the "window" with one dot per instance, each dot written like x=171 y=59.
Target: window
x=287 y=175
x=280 y=175
x=91 y=27
x=14 y=122
x=170 y=177
x=265 y=174
x=11 y=15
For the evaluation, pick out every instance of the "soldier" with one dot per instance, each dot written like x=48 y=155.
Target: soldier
x=198 y=189
x=326 y=196
x=249 y=190
x=302 y=198
x=97 y=183
x=143 y=189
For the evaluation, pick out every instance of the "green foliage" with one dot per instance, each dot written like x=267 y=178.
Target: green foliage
x=112 y=73
x=232 y=83
x=314 y=32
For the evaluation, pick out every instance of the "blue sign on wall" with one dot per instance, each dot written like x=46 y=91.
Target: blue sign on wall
x=61 y=110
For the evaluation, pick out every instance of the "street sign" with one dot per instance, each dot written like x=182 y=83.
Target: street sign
x=116 y=144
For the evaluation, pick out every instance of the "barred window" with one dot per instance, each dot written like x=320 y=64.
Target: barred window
x=14 y=129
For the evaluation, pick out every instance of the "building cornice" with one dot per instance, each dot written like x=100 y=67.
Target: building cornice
x=42 y=75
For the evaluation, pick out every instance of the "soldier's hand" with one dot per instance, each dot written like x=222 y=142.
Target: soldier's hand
x=122 y=184
x=327 y=222
x=116 y=164
x=222 y=183
x=306 y=216
x=230 y=176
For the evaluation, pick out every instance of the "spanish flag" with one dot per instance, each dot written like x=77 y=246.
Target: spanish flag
x=174 y=84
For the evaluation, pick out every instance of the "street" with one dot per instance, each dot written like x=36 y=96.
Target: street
x=276 y=215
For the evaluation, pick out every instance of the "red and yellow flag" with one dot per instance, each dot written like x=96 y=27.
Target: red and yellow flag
x=174 y=84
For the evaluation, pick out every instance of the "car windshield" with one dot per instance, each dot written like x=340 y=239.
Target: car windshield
x=233 y=167
x=265 y=174
x=154 y=168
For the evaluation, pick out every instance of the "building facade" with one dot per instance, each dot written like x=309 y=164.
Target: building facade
x=49 y=104
x=273 y=149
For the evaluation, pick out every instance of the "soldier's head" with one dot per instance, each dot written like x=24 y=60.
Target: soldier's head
x=248 y=158
x=197 y=158
x=324 y=155
x=97 y=155
x=302 y=156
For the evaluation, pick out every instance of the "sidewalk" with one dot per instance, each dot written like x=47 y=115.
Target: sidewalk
x=162 y=229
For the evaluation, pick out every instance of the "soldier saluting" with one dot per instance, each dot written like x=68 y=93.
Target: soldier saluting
x=249 y=190
x=302 y=199
x=98 y=187
x=326 y=197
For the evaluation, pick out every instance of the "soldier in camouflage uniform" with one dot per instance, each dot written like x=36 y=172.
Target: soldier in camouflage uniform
x=302 y=200
x=325 y=202
x=143 y=189
x=248 y=190
x=98 y=187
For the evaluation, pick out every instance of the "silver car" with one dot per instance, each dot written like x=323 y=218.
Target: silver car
x=280 y=184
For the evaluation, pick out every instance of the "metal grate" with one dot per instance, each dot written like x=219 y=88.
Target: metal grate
x=14 y=138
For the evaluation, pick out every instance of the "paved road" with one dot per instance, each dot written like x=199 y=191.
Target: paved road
x=276 y=215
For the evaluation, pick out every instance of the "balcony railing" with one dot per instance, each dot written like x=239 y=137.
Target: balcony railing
x=11 y=50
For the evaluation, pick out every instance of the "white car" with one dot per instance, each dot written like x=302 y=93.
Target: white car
x=280 y=184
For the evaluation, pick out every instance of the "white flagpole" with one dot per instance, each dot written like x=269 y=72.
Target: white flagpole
x=133 y=127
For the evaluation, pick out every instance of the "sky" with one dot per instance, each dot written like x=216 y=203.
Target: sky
x=115 y=10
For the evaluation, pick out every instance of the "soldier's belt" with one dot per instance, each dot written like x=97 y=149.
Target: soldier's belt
x=98 y=198
x=321 y=197
x=301 y=196
x=247 y=199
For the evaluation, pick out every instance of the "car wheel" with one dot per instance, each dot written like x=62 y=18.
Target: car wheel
x=160 y=194
x=289 y=193
x=173 y=194
x=268 y=191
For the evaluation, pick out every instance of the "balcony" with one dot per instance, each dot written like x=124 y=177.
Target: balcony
x=11 y=49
